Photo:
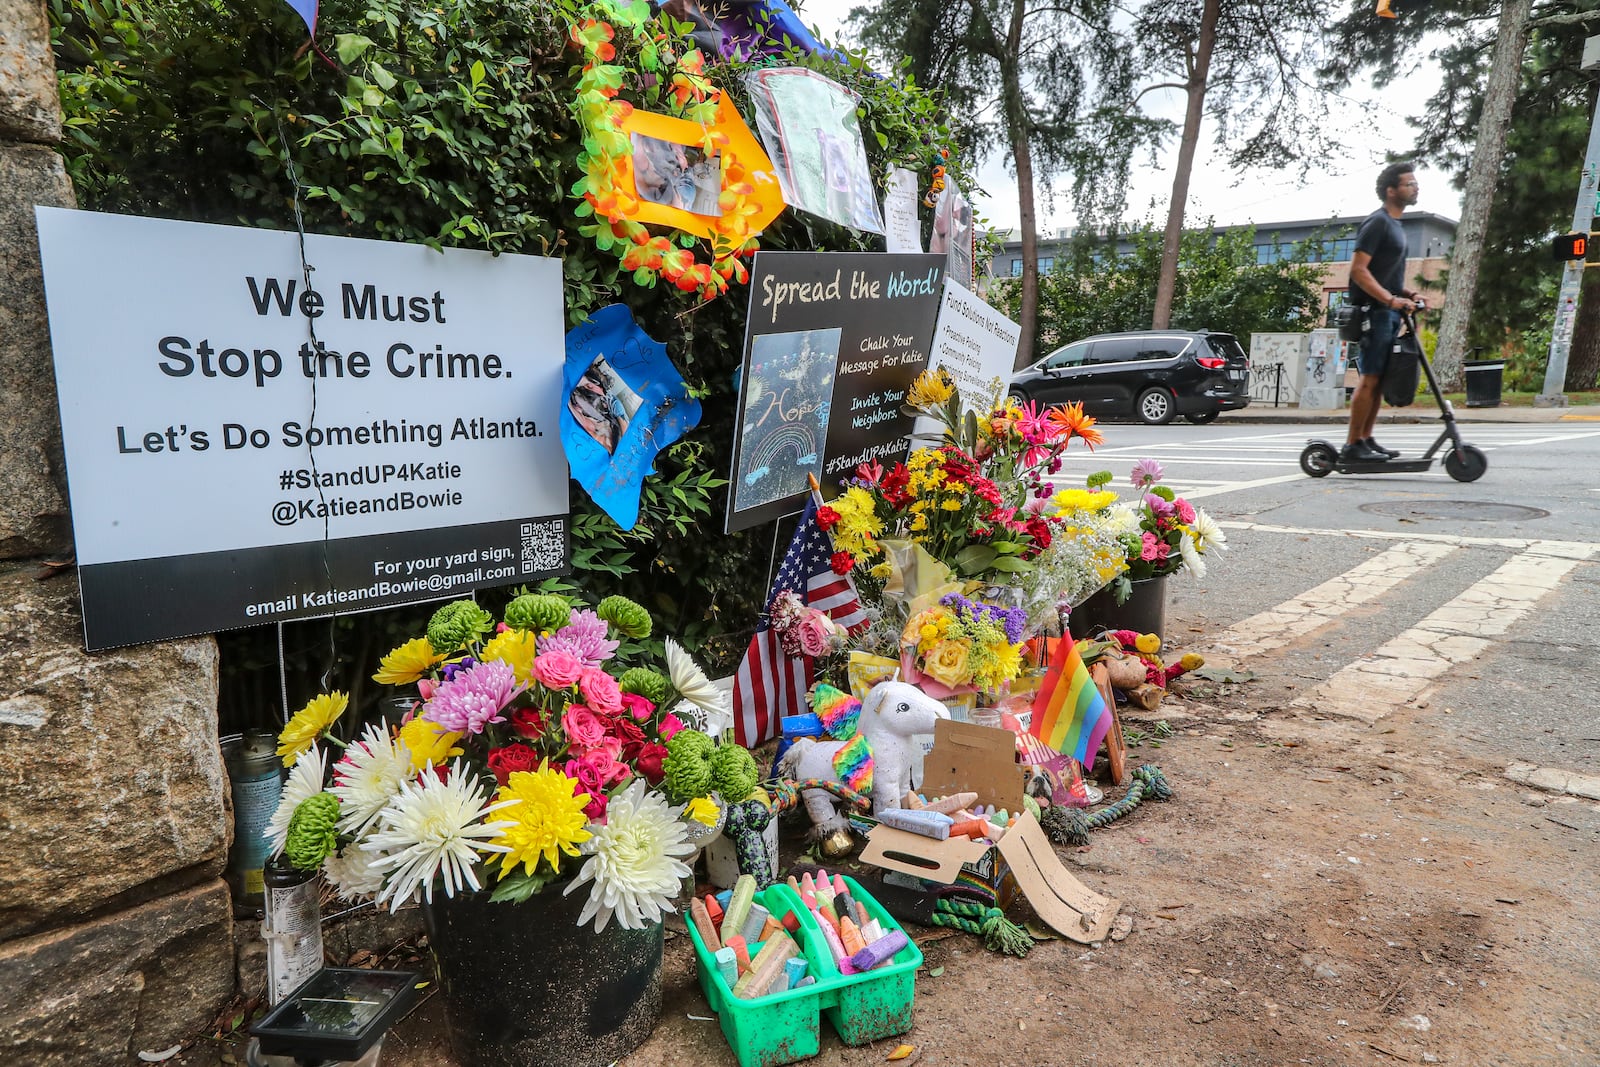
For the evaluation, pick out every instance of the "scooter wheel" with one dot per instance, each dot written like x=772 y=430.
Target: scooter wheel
x=1318 y=459
x=1466 y=464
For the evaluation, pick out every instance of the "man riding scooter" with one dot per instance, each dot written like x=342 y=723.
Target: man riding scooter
x=1377 y=289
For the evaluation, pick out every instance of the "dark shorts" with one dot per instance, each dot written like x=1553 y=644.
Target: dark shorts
x=1382 y=326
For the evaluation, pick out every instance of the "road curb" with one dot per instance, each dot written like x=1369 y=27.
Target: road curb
x=1555 y=780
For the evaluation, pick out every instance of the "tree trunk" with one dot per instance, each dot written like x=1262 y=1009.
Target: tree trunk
x=1016 y=113
x=1505 y=77
x=1199 y=71
x=1583 y=358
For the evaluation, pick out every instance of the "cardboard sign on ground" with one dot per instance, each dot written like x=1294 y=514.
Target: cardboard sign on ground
x=971 y=758
x=908 y=853
x=1071 y=908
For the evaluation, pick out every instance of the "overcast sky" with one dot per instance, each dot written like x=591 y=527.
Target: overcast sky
x=1342 y=185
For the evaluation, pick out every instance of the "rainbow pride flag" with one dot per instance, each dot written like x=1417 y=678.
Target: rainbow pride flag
x=1069 y=714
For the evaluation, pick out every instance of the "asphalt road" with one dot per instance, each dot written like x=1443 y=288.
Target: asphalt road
x=1496 y=578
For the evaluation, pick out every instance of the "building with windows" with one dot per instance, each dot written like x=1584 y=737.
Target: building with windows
x=1429 y=239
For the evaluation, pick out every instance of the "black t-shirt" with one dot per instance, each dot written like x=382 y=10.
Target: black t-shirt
x=1383 y=238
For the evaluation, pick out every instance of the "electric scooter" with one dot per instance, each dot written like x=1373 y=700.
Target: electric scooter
x=1461 y=461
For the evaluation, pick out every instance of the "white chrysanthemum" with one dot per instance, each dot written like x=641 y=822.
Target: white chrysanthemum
x=434 y=827
x=689 y=680
x=1122 y=519
x=634 y=861
x=368 y=777
x=305 y=781
x=1191 y=556
x=1208 y=534
x=350 y=872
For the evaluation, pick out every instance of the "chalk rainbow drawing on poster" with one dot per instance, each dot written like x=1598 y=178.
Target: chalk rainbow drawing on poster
x=788 y=395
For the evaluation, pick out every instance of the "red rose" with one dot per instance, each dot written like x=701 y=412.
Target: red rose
x=649 y=762
x=1039 y=530
x=827 y=518
x=625 y=730
x=511 y=758
x=842 y=562
x=529 y=723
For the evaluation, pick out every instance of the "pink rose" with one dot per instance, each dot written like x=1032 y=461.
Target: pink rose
x=670 y=726
x=604 y=759
x=558 y=668
x=1148 y=552
x=425 y=688
x=1185 y=511
x=600 y=691
x=583 y=727
x=815 y=633
x=640 y=708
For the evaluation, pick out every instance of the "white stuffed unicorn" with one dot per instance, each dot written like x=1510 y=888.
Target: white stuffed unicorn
x=872 y=752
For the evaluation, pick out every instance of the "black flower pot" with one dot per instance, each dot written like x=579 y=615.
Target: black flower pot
x=525 y=986
x=1145 y=611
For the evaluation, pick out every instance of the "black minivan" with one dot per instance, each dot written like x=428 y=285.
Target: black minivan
x=1151 y=376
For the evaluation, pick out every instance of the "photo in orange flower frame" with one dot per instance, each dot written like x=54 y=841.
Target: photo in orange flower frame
x=678 y=179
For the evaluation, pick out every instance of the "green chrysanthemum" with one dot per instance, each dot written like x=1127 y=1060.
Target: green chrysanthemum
x=630 y=618
x=687 y=766
x=734 y=774
x=455 y=624
x=312 y=835
x=645 y=682
x=538 y=612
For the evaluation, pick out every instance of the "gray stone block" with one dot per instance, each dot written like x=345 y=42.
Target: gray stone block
x=99 y=993
x=33 y=484
x=111 y=779
x=29 y=109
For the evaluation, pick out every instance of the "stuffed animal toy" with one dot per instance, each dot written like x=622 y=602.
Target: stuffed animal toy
x=871 y=752
x=1133 y=664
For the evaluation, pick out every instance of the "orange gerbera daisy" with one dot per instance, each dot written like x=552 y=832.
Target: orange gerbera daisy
x=1070 y=419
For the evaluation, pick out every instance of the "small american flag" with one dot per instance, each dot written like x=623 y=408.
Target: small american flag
x=771 y=684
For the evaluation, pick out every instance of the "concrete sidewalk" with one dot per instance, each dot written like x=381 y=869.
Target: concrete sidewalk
x=1423 y=411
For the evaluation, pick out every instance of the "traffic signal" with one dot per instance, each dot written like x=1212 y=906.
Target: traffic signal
x=1570 y=246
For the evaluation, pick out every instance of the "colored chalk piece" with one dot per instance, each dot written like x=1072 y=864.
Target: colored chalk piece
x=794 y=970
x=722 y=898
x=880 y=951
x=769 y=928
x=755 y=922
x=704 y=926
x=809 y=979
x=846 y=905
x=765 y=967
x=780 y=983
x=727 y=966
x=926 y=823
x=713 y=909
x=952 y=803
x=850 y=936
x=738 y=907
x=741 y=952
x=791 y=923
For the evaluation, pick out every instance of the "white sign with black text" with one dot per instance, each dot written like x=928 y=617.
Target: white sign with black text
x=245 y=446
x=975 y=343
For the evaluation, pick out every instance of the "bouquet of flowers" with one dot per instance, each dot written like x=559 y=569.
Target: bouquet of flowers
x=1087 y=553
x=960 y=645
x=978 y=502
x=534 y=754
x=1162 y=533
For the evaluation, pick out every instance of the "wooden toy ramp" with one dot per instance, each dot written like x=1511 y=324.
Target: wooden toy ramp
x=1071 y=908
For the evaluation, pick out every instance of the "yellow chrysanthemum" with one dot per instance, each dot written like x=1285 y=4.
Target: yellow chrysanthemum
x=514 y=648
x=1007 y=660
x=932 y=387
x=407 y=663
x=882 y=571
x=548 y=821
x=919 y=522
x=429 y=742
x=310 y=723
x=1082 y=500
x=951 y=505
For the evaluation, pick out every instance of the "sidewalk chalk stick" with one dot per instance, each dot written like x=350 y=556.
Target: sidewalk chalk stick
x=755 y=922
x=925 y=823
x=880 y=951
x=951 y=803
x=714 y=909
x=728 y=966
x=794 y=970
x=738 y=907
x=704 y=926
x=741 y=952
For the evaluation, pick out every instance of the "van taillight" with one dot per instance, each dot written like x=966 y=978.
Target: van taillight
x=1211 y=362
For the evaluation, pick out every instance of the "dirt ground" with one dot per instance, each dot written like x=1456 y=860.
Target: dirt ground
x=1317 y=892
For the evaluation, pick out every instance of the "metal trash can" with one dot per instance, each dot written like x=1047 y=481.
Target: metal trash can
x=1483 y=377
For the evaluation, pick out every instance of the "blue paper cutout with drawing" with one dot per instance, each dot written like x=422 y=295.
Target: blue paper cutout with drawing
x=625 y=402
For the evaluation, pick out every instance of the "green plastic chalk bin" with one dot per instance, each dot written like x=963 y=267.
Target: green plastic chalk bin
x=778 y=1028
x=875 y=1004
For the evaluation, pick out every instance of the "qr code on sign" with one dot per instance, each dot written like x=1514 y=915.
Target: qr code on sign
x=543 y=546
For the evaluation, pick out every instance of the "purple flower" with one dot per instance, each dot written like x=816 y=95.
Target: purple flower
x=473 y=698
x=465 y=663
x=1146 y=472
x=584 y=637
x=1157 y=505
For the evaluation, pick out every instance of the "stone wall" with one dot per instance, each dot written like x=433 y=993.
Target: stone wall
x=115 y=928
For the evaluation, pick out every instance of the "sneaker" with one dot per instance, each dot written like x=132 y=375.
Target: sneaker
x=1361 y=452
x=1376 y=447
